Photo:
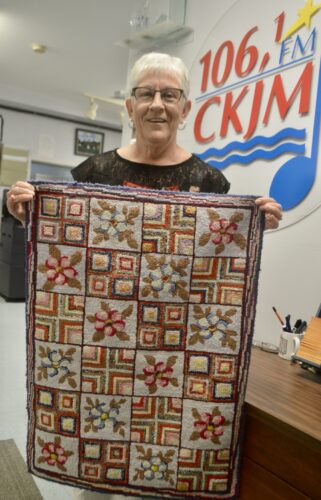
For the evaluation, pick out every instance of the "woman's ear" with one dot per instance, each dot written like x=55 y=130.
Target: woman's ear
x=186 y=108
x=129 y=106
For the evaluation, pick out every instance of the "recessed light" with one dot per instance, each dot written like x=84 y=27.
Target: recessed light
x=39 y=48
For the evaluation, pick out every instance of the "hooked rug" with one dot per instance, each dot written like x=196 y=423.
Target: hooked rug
x=140 y=313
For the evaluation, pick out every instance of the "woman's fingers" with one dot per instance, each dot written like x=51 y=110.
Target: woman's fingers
x=271 y=222
x=273 y=211
x=19 y=193
x=21 y=188
x=272 y=208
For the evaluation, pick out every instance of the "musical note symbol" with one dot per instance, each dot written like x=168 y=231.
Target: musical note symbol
x=294 y=180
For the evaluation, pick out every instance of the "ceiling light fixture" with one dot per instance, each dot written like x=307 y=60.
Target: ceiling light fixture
x=39 y=48
x=92 y=110
x=117 y=100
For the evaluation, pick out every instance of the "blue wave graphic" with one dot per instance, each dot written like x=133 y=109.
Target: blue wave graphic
x=286 y=133
x=259 y=154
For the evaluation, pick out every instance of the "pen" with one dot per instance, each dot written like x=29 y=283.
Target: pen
x=288 y=327
x=278 y=316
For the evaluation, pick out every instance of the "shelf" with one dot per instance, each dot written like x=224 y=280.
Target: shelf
x=159 y=34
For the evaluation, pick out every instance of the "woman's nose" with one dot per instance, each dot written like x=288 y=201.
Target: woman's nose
x=157 y=101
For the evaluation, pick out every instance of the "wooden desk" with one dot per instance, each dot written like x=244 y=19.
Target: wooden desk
x=282 y=450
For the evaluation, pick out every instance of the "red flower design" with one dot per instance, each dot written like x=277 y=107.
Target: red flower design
x=156 y=374
x=109 y=322
x=59 y=270
x=210 y=425
x=54 y=454
x=223 y=231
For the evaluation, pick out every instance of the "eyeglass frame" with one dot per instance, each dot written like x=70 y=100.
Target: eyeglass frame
x=160 y=92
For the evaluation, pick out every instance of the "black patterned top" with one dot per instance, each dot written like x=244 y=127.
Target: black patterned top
x=190 y=175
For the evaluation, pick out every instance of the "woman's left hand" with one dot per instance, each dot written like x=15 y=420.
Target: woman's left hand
x=273 y=211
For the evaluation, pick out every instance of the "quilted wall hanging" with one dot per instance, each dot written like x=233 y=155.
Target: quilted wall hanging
x=140 y=314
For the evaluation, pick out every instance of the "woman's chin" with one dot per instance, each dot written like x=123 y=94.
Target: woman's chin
x=157 y=136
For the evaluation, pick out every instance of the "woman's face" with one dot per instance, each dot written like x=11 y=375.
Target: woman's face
x=156 y=122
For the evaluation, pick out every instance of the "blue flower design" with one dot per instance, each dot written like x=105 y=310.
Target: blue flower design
x=55 y=362
x=211 y=324
x=164 y=279
x=100 y=414
x=154 y=468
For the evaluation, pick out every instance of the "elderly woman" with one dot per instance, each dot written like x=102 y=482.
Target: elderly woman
x=157 y=106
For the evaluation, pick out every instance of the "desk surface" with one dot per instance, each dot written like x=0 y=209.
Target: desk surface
x=283 y=390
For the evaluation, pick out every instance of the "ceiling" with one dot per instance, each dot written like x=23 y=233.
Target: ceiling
x=81 y=56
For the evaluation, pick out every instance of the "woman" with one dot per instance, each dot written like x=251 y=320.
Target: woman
x=157 y=106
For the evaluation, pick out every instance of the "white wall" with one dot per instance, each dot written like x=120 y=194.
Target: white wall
x=290 y=275
x=49 y=140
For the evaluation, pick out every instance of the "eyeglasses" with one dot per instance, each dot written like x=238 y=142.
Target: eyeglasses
x=147 y=94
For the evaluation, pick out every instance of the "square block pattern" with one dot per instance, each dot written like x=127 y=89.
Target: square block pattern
x=140 y=315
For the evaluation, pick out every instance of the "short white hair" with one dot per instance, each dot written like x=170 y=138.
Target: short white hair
x=155 y=61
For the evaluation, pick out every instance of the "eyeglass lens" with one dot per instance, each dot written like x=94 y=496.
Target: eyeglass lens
x=147 y=94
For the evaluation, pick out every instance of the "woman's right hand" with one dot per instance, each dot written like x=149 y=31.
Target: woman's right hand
x=17 y=196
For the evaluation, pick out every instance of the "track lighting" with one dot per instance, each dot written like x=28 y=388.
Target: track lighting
x=92 y=110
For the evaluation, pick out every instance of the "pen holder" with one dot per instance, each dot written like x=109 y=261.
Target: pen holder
x=289 y=344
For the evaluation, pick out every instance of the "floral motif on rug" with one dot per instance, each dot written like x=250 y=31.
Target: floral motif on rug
x=140 y=314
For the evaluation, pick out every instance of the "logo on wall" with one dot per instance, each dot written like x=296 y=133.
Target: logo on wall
x=256 y=92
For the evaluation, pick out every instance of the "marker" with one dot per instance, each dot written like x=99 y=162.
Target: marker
x=302 y=327
x=278 y=316
x=297 y=326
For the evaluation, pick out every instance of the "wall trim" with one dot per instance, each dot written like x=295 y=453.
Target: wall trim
x=60 y=117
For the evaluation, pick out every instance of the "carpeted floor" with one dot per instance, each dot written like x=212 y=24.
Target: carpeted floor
x=15 y=481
